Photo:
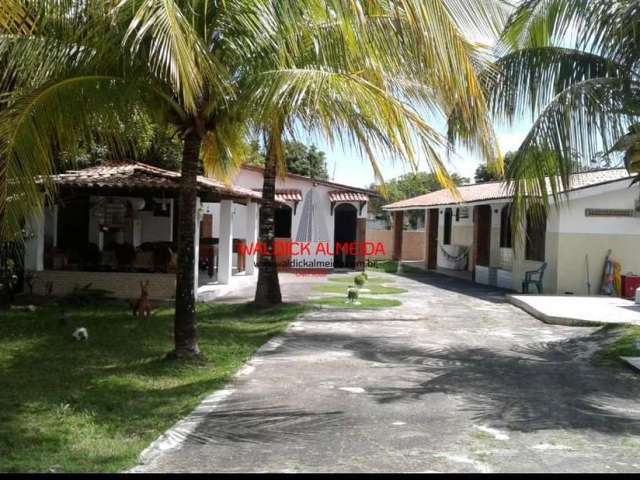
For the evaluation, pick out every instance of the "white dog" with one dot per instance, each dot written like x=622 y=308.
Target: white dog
x=81 y=334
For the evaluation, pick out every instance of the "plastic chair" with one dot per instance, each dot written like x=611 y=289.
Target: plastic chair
x=535 y=277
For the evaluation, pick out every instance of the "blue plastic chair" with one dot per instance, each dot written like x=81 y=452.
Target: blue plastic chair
x=535 y=277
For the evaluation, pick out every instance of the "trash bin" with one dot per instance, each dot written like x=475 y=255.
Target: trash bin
x=630 y=283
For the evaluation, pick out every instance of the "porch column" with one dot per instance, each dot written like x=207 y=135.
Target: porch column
x=495 y=259
x=252 y=236
x=225 y=245
x=398 y=220
x=34 y=246
x=196 y=249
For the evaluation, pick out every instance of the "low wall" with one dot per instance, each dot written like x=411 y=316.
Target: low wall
x=162 y=286
x=413 y=245
x=386 y=238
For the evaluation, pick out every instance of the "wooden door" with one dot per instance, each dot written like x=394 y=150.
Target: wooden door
x=432 y=247
x=482 y=217
x=206 y=226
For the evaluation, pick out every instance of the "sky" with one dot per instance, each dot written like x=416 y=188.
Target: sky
x=350 y=168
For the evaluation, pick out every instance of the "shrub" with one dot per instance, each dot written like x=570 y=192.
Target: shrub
x=352 y=294
x=360 y=280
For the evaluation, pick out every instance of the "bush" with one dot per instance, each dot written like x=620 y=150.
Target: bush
x=360 y=280
x=352 y=294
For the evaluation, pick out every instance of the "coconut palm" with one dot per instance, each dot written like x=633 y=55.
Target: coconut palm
x=211 y=69
x=370 y=95
x=87 y=66
x=573 y=66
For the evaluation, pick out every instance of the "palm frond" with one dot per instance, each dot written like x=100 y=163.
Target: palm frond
x=525 y=81
x=177 y=53
x=35 y=127
x=14 y=18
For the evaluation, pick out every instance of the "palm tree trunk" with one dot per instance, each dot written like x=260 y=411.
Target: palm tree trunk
x=268 y=288
x=185 y=334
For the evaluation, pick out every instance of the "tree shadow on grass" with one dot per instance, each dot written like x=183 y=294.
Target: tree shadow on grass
x=64 y=402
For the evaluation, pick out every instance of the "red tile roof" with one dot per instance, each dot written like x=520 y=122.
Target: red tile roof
x=286 y=195
x=346 y=196
x=141 y=176
x=500 y=190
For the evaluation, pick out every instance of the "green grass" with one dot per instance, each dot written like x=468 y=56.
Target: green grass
x=390 y=266
x=365 y=303
x=386 y=266
x=349 y=279
x=622 y=345
x=72 y=406
x=374 y=289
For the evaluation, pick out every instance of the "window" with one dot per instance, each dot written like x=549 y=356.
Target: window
x=536 y=233
x=283 y=222
x=448 y=217
x=505 y=227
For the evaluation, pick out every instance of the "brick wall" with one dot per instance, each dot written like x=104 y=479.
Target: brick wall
x=383 y=236
x=413 y=245
x=162 y=286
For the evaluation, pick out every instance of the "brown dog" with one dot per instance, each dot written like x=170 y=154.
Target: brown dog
x=142 y=306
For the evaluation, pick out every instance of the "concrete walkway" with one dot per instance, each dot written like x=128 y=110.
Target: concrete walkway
x=455 y=380
x=579 y=311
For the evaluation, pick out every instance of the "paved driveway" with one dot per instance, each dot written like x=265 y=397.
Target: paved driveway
x=455 y=380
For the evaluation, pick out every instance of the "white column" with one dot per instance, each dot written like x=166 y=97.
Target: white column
x=252 y=236
x=225 y=245
x=196 y=249
x=34 y=245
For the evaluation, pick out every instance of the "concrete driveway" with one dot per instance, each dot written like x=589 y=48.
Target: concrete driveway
x=455 y=380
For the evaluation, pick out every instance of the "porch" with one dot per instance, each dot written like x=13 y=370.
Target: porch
x=115 y=226
x=471 y=241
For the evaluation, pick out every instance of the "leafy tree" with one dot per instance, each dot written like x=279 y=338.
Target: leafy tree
x=484 y=172
x=304 y=160
x=299 y=158
x=407 y=186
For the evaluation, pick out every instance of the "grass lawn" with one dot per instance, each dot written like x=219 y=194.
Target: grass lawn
x=374 y=289
x=387 y=266
x=93 y=406
x=349 y=279
x=365 y=303
x=622 y=345
x=390 y=266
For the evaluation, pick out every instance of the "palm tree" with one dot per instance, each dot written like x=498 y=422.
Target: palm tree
x=213 y=68
x=94 y=63
x=573 y=66
x=406 y=54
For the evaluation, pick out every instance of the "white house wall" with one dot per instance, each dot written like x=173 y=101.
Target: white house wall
x=322 y=205
x=579 y=235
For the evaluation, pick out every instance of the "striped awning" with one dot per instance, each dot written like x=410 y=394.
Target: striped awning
x=346 y=196
x=286 y=195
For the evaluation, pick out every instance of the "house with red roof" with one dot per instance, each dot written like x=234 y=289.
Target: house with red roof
x=468 y=233
x=112 y=226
